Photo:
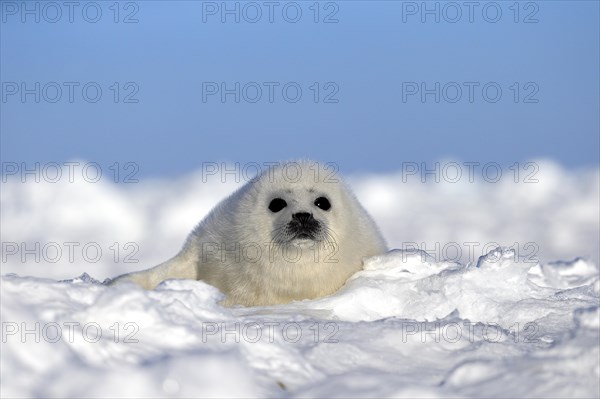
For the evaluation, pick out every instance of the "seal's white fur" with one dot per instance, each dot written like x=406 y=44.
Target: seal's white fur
x=235 y=248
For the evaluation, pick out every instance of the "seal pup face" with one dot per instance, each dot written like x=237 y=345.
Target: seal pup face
x=298 y=205
x=306 y=220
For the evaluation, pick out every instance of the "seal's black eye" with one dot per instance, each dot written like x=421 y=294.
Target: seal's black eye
x=323 y=203
x=277 y=204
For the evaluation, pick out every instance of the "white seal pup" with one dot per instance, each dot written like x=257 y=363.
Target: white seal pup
x=294 y=232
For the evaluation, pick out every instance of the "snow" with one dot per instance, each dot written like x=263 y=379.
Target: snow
x=494 y=323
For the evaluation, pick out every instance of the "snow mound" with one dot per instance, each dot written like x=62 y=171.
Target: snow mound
x=405 y=326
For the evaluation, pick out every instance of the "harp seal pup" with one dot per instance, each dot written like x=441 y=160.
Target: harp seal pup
x=294 y=232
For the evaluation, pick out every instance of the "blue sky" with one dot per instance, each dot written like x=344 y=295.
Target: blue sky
x=368 y=65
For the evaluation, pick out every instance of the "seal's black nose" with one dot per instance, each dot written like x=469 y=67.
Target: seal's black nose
x=302 y=217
